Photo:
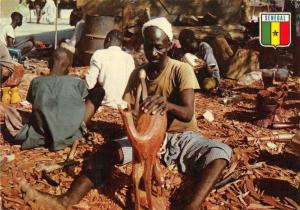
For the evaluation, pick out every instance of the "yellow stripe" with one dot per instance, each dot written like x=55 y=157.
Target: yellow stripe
x=275 y=33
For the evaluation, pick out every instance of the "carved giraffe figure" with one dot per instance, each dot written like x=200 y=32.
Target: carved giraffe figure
x=146 y=139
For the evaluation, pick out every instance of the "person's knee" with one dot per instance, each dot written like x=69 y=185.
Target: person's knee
x=4 y=53
x=93 y=170
x=114 y=152
x=30 y=44
x=96 y=96
x=109 y=153
x=227 y=150
x=98 y=166
x=26 y=47
x=224 y=152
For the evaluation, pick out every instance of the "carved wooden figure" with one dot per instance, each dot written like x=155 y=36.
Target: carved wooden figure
x=146 y=138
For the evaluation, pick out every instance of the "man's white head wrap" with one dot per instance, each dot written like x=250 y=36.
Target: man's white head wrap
x=161 y=23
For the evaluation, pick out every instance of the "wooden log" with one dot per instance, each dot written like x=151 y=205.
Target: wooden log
x=231 y=178
x=285 y=125
x=293 y=147
x=276 y=137
x=52 y=167
x=68 y=162
x=73 y=150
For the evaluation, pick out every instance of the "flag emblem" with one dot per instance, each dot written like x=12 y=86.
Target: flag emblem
x=275 y=29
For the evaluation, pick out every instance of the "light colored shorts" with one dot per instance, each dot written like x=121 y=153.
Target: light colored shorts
x=190 y=151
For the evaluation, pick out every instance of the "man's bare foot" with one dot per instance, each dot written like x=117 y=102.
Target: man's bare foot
x=159 y=203
x=40 y=200
x=191 y=207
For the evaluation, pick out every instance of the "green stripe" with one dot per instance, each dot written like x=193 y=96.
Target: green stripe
x=266 y=33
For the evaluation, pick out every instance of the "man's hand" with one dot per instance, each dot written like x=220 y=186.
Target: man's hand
x=10 y=41
x=154 y=104
x=184 y=111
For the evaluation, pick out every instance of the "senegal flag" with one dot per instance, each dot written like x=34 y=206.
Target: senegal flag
x=275 y=29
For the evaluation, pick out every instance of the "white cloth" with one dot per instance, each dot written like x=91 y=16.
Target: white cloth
x=77 y=33
x=161 y=23
x=50 y=11
x=4 y=53
x=67 y=46
x=111 y=67
x=6 y=31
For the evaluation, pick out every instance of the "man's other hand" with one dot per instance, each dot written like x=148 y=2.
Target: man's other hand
x=154 y=104
x=200 y=64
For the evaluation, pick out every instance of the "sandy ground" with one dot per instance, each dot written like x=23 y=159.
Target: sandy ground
x=263 y=177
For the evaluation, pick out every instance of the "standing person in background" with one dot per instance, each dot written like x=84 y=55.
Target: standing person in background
x=49 y=11
x=78 y=20
x=23 y=8
x=37 y=5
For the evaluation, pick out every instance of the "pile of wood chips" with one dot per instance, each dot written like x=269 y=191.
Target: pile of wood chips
x=259 y=176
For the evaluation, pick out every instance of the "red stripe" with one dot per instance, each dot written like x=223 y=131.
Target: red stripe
x=284 y=33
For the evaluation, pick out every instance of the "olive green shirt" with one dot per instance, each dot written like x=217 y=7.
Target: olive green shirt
x=175 y=77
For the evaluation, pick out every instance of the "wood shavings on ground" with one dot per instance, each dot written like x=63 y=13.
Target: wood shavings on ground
x=259 y=177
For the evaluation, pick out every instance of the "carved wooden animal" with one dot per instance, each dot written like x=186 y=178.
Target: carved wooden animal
x=146 y=139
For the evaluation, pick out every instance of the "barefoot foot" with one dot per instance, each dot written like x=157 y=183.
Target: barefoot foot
x=40 y=200
x=158 y=203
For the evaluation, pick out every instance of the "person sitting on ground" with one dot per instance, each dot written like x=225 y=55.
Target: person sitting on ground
x=58 y=108
x=49 y=11
x=69 y=89
x=171 y=86
x=7 y=38
x=209 y=75
x=76 y=19
x=109 y=70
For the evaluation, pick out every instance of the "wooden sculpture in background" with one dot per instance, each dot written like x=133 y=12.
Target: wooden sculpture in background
x=146 y=138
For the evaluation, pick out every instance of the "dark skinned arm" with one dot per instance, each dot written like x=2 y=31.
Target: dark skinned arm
x=183 y=112
x=10 y=42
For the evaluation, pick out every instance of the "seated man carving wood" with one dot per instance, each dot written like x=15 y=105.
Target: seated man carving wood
x=146 y=140
x=171 y=86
